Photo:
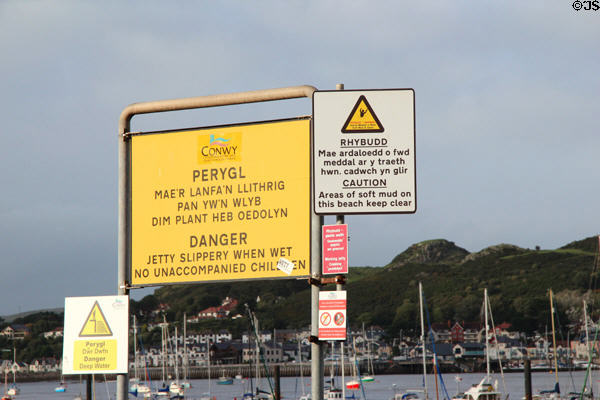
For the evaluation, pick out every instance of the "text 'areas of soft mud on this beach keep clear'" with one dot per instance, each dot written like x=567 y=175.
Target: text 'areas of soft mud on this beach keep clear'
x=368 y=169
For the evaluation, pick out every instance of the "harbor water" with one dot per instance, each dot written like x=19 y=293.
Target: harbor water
x=382 y=388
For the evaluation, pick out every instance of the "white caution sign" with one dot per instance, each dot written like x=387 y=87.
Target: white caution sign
x=332 y=315
x=96 y=335
x=364 y=151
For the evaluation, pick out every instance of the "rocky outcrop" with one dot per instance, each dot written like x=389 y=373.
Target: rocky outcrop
x=438 y=251
x=499 y=250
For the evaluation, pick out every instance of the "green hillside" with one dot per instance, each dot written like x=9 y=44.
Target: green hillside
x=517 y=279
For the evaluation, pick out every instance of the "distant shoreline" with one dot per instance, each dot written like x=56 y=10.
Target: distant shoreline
x=286 y=370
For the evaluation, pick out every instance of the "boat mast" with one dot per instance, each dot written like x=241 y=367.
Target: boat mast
x=163 y=328
x=587 y=341
x=176 y=358
x=370 y=354
x=14 y=366
x=554 y=338
x=185 y=356
x=343 y=375
x=487 y=341
x=423 y=339
x=135 y=353
x=256 y=334
x=208 y=358
x=300 y=359
x=587 y=334
x=332 y=366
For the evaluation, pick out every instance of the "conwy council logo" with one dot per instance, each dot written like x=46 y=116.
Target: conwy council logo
x=219 y=147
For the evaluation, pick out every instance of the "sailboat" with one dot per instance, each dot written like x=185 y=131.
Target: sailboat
x=260 y=394
x=164 y=389
x=207 y=395
x=135 y=385
x=304 y=395
x=553 y=393
x=413 y=394
x=484 y=390
x=6 y=395
x=354 y=383
x=185 y=383
x=333 y=392
x=370 y=377
x=224 y=380
x=588 y=392
x=175 y=387
x=13 y=389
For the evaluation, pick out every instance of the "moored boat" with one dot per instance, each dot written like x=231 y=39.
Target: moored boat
x=223 y=380
x=484 y=390
x=6 y=395
x=61 y=388
x=333 y=394
x=13 y=390
x=416 y=394
x=353 y=385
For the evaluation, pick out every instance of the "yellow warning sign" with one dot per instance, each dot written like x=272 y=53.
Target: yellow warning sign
x=95 y=355
x=218 y=203
x=95 y=324
x=362 y=118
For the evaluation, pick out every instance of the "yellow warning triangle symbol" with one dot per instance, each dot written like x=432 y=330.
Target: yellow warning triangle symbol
x=95 y=324
x=362 y=118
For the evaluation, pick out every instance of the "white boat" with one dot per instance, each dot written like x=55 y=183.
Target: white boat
x=485 y=390
x=142 y=388
x=13 y=390
x=136 y=386
x=459 y=395
x=410 y=394
x=333 y=394
x=6 y=395
x=175 y=388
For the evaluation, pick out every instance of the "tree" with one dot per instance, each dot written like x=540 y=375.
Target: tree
x=405 y=316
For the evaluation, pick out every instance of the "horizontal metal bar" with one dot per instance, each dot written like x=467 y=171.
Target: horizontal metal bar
x=211 y=101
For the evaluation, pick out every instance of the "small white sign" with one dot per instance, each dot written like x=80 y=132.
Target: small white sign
x=285 y=265
x=364 y=151
x=96 y=335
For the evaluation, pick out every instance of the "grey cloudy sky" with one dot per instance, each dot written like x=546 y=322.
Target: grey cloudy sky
x=507 y=106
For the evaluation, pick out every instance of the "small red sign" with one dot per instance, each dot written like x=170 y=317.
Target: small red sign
x=335 y=249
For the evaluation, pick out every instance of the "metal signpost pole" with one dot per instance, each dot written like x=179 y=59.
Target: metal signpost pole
x=339 y=220
x=124 y=226
x=316 y=347
x=124 y=229
x=316 y=366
